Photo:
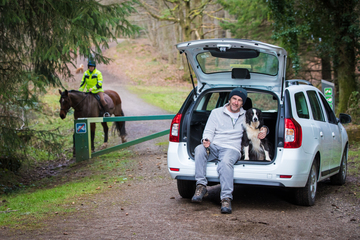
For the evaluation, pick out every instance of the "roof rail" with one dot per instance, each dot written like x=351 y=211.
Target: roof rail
x=296 y=82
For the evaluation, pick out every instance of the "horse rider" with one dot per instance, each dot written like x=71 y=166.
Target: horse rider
x=93 y=80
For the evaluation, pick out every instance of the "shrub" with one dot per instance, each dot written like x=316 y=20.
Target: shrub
x=354 y=107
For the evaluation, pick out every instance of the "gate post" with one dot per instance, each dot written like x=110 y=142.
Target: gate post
x=82 y=136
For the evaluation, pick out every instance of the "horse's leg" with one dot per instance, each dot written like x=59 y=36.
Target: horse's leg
x=120 y=126
x=106 y=135
x=122 y=129
x=93 y=127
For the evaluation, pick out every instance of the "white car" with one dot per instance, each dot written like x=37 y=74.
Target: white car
x=309 y=142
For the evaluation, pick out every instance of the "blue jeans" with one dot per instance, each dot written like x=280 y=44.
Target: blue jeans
x=227 y=158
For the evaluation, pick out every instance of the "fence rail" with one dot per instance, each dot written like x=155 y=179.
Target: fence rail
x=83 y=137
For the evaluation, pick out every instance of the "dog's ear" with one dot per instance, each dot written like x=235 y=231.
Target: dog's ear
x=248 y=116
x=259 y=113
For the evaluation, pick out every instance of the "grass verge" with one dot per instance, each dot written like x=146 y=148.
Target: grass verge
x=66 y=193
x=167 y=98
x=354 y=160
x=354 y=168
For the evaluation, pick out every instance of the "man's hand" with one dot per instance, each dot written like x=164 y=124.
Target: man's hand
x=90 y=90
x=262 y=133
x=206 y=143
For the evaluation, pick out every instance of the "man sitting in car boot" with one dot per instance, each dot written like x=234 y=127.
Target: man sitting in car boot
x=222 y=142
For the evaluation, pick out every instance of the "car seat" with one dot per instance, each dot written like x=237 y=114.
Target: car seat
x=248 y=104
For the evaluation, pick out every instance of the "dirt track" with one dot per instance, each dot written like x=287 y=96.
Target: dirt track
x=149 y=206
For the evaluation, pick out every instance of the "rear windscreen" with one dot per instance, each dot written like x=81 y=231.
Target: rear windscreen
x=261 y=63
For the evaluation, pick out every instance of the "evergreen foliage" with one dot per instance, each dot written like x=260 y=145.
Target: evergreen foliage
x=38 y=39
x=331 y=28
x=252 y=19
x=327 y=30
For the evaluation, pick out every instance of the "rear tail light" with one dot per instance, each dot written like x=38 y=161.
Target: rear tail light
x=174 y=129
x=286 y=176
x=293 y=133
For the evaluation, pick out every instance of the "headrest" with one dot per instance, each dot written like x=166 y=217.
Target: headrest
x=242 y=73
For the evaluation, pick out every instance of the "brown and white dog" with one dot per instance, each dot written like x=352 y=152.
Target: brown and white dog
x=254 y=148
x=80 y=69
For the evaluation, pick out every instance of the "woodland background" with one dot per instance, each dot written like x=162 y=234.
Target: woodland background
x=320 y=36
x=40 y=41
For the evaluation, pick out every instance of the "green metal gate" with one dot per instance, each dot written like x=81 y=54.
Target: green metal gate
x=83 y=136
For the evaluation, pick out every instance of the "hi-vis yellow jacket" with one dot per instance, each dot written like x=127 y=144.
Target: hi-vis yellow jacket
x=92 y=80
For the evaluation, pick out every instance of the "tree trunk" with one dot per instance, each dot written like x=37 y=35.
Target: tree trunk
x=346 y=75
x=346 y=40
x=227 y=32
x=326 y=68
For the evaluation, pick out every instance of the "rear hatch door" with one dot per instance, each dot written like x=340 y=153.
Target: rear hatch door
x=236 y=62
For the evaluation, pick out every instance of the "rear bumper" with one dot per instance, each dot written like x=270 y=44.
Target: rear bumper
x=289 y=162
x=236 y=181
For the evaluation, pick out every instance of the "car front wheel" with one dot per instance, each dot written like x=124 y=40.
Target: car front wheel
x=306 y=196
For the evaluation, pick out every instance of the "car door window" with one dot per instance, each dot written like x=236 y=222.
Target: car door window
x=301 y=105
x=212 y=101
x=208 y=102
x=263 y=101
x=329 y=112
x=316 y=108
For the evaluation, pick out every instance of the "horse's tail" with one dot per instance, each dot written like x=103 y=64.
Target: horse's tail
x=119 y=127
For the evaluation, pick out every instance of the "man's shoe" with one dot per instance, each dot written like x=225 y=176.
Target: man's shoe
x=106 y=114
x=226 y=206
x=200 y=192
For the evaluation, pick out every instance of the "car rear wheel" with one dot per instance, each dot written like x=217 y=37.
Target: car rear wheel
x=340 y=178
x=186 y=188
x=306 y=196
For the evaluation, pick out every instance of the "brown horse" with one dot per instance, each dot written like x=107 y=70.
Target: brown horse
x=86 y=105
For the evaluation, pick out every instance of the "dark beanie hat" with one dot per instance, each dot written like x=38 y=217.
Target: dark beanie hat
x=239 y=92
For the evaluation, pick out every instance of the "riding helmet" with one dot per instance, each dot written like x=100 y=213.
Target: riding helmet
x=91 y=63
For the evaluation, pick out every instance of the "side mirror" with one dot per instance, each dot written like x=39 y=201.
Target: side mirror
x=344 y=118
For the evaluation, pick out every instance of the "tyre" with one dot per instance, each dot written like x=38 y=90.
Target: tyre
x=340 y=177
x=186 y=188
x=306 y=196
